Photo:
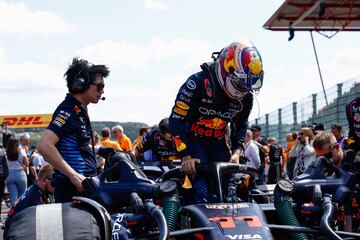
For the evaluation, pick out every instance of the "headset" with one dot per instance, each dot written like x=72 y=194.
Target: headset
x=81 y=80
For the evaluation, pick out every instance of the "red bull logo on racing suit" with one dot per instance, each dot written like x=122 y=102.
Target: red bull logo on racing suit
x=212 y=127
x=214 y=123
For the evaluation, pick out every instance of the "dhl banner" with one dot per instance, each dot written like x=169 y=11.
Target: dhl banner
x=26 y=121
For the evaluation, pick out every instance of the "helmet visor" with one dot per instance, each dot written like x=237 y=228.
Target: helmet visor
x=257 y=82
x=244 y=82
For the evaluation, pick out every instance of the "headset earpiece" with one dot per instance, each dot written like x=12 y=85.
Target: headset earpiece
x=82 y=80
x=78 y=85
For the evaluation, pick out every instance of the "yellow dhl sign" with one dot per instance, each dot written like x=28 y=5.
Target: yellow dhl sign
x=27 y=121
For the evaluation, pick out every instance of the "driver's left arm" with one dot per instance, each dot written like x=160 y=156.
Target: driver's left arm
x=240 y=123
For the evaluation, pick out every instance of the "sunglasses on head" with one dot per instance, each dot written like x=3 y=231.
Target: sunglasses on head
x=301 y=133
x=99 y=86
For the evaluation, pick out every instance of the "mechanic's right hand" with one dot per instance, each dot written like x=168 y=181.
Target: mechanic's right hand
x=77 y=179
x=188 y=164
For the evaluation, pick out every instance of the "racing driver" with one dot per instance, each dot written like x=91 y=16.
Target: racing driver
x=221 y=93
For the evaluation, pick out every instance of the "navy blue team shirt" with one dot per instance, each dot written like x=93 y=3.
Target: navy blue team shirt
x=32 y=196
x=71 y=123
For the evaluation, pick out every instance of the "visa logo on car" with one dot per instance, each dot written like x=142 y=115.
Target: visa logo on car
x=244 y=236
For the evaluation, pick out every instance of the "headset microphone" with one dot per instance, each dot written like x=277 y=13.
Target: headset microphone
x=103 y=98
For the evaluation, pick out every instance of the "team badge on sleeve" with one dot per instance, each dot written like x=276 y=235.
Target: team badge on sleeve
x=182 y=105
x=180 y=111
x=180 y=145
x=61 y=118
x=190 y=84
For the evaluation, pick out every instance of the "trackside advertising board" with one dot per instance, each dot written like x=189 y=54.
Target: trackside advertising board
x=26 y=121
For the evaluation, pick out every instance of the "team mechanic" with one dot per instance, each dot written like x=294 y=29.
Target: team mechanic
x=160 y=142
x=38 y=193
x=221 y=93
x=66 y=143
x=352 y=110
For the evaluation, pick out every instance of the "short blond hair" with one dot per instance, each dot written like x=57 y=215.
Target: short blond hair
x=46 y=171
x=322 y=139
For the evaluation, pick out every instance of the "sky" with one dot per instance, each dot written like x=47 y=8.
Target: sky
x=151 y=48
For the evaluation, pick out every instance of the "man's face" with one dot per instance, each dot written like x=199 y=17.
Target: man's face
x=335 y=131
x=96 y=89
x=117 y=133
x=256 y=133
x=247 y=138
x=331 y=152
x=146 y=132
x=167 y=136
x=49 y=188
x=45 y=185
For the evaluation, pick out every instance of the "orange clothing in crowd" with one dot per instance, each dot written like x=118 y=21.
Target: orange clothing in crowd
x=125 y=143
x=106 y=142
x=289 y=146
x=283 y=160
x=137 y=140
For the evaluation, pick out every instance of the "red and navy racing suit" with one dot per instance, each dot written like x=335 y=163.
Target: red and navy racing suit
x=162 y=149
x=353 y=143
x=200 y=117
x=32 y=196
x=71 y=123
